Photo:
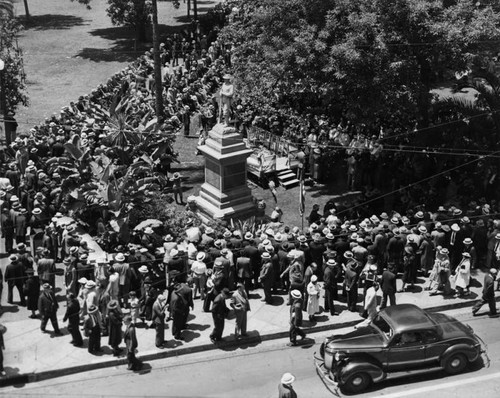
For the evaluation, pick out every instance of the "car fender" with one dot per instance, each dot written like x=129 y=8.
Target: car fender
x=469 y=351
x=375 y=372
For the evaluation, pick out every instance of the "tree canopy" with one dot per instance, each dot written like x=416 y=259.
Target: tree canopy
x=361 y=58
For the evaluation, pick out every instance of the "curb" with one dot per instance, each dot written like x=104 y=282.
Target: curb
x=49 y=374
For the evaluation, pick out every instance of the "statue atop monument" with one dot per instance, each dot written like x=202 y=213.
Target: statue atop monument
x=226 y=99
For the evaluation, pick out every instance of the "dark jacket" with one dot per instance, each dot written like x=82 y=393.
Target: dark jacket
x=219 y=308
x=72 y=312
x=47 y=303
x=388 y=282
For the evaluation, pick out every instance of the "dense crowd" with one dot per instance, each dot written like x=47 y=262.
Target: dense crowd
x=157 y=275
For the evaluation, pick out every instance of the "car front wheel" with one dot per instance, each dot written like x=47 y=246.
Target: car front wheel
x=357 y=382
x=455 y=363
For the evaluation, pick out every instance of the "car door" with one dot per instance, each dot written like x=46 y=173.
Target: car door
x=405 y=351
x=434 y=346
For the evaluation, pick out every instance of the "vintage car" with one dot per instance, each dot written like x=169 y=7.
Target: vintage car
x=401 y=339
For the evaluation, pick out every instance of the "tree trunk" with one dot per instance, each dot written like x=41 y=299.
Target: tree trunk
x=188 y=8
x=27 y=10
x=157 y=66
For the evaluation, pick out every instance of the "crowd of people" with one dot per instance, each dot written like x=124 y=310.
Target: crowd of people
x=159 y=275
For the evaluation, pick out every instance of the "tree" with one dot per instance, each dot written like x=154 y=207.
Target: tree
x=363 y=58
x=134 y=13
x=13 y=75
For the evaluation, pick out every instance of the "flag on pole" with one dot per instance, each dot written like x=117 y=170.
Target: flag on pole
x=302 y=197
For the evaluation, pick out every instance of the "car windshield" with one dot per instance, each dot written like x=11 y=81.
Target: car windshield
x=382 y=326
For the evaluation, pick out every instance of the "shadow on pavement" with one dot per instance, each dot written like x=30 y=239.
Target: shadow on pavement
x=53 y=21
x=196 y=326
x=189 y=335
x=9 y=308
x=231 y=344
x=13 y=378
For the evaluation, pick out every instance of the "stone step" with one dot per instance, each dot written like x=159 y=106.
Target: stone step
x=290 y=183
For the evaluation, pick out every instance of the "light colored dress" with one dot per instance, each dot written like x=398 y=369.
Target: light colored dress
x=313 y=300
x=463 y=274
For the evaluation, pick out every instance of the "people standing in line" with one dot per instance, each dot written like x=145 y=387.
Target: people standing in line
x=296 y=318
x=47 y=306
x=219 y=313
x=285 y=388
x=240 y=305
x=72 y=315
x=488 y=295
x=130 y=339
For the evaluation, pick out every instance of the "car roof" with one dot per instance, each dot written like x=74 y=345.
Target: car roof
x=407 y=317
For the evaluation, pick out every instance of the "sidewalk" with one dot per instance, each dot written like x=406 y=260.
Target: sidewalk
x=32 y=356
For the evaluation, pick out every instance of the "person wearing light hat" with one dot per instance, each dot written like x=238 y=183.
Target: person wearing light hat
x=470 y=248
x=267 y=277
x=199 y=275
x=47 y=307
x=488 y=294
x=331 y=277
x=313 y=290
x=296 y=317
x=92 y=326
x=123 y=269
x=14 y=276
x=285 y=389
x=158 y=318
x=207 y=237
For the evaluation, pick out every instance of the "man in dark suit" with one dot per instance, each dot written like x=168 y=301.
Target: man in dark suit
x=253 y=254
x=388 y=284
x=180 y=302
x=130 y=339
x=47 y=306
x=15 y=276
x=73 y=317
x=219 y=313
x=351 y=285
x=488 y=293
x=331 y=276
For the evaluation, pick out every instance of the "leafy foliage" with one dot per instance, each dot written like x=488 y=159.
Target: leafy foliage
x=360 y=58
x=134 y=13
x=12 y=56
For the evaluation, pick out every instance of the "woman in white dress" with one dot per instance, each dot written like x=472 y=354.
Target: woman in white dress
x=313 y=290
x=462 y=276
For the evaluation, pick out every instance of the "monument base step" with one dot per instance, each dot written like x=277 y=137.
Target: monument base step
x=208 y=211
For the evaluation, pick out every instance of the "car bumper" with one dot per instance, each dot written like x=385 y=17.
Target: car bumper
x=325 y=375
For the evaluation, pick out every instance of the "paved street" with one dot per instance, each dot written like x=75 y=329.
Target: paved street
x=254 y=372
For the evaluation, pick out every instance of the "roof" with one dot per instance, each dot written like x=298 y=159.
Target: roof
x=407 y=317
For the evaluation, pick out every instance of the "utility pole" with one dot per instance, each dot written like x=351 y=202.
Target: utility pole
x=157 y=65
x=3 y=103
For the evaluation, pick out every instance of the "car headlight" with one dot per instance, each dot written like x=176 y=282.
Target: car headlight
x=339 y=356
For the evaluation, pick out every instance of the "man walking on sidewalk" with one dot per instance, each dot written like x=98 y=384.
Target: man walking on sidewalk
x=488 y=293
x=388 y=284
x=47 y=306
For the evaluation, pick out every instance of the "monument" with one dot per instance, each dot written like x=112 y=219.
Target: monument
x=225 y=193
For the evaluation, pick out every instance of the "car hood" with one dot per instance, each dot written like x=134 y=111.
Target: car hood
x=450 y=327
x=359 y=339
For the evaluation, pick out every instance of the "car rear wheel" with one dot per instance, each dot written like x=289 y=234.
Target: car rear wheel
x=455 y=363
x=357 y=382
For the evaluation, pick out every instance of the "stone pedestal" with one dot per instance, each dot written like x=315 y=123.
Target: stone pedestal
x=225 y=193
